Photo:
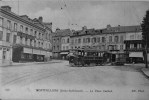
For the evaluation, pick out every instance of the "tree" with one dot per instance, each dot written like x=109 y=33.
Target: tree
x=145 y=36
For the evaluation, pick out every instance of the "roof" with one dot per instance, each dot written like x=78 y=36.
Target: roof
x=63 y=32
x=117 y=29
x=122 y=29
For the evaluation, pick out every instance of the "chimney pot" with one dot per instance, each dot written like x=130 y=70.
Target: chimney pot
x=7 y=8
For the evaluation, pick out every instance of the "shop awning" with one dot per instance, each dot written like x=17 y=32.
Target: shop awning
x=135 y=54
x=64 y=53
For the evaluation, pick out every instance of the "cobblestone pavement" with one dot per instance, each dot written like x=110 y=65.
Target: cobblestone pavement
x=123 y=82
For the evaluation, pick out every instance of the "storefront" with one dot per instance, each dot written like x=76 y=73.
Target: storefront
x=64 y=55
x=135 y=57
x=26 y=54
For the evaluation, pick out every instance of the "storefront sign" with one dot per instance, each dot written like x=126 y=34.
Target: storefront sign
x=136 y=54
x=27 y=50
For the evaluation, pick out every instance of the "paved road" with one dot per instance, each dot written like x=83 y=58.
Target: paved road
x=105 y=82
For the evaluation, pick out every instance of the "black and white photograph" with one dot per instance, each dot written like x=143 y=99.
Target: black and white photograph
x=74 y=50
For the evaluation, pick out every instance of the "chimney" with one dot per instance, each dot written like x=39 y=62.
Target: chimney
x=40 y=19
x=84 y=28
x=108 y=27
x=24 y=16
x=7 y=8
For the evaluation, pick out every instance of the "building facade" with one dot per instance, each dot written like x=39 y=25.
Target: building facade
x=61 y=43
x=117 y=39
x=133 y=45
x=23 y=39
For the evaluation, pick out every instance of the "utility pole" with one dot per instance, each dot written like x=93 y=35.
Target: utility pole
x=146 y=52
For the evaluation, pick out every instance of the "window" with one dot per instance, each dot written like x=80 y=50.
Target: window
x=57 y=47
x=1 y=35
x=94 y=40
x=63 y=40
x=79 y=40
x=68 y=40
x=30 y=42
x=116 y=47
x=4 y=54
x=35 y=43
x=26 y=30
x=116 y=39
x=8 y=37
x=39 y=35
x=84 y=40
x=131 y=46
x=103 y=39
x=21 y=28
x=15 y=26
x=8 y=24
x=75 y=40
x=25 y=41
x=31 y=31
x=110 y=38
x=131 y=37
x=38 y=44
x=14 y=38
x=121 y=47
x=122 y=39
x=1 y=21
x=88 y=40
x=35 y=33
x=67 y=48
x=20 y=40
x=54 y=48
x=98 y=39
x=72 y=41
x=63 y=47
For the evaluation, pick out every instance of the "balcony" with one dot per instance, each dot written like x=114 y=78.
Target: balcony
x=21 y=34
x=134 y=49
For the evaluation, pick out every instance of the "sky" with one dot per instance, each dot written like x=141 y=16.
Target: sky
x=75 y=14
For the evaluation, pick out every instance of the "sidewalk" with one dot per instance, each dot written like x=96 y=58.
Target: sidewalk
x=145 y=71
x=32 y=63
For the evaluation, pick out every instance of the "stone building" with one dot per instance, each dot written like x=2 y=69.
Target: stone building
x=23 y=39
x=133 y=44
x=65 y=43
x=60 y=41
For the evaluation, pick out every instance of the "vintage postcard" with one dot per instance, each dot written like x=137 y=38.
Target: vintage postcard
x=74 y=50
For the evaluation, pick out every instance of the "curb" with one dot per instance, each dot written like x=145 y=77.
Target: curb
x=27 y=64
x=144 y=73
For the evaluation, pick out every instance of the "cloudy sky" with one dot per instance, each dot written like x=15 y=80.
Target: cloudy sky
x=77 y=13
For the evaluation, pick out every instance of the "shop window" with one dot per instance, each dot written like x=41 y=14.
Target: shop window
x=30 y=56
x=4 y=54
x=22 y=55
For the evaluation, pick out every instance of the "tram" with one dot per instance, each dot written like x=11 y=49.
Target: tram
x=81 y=57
